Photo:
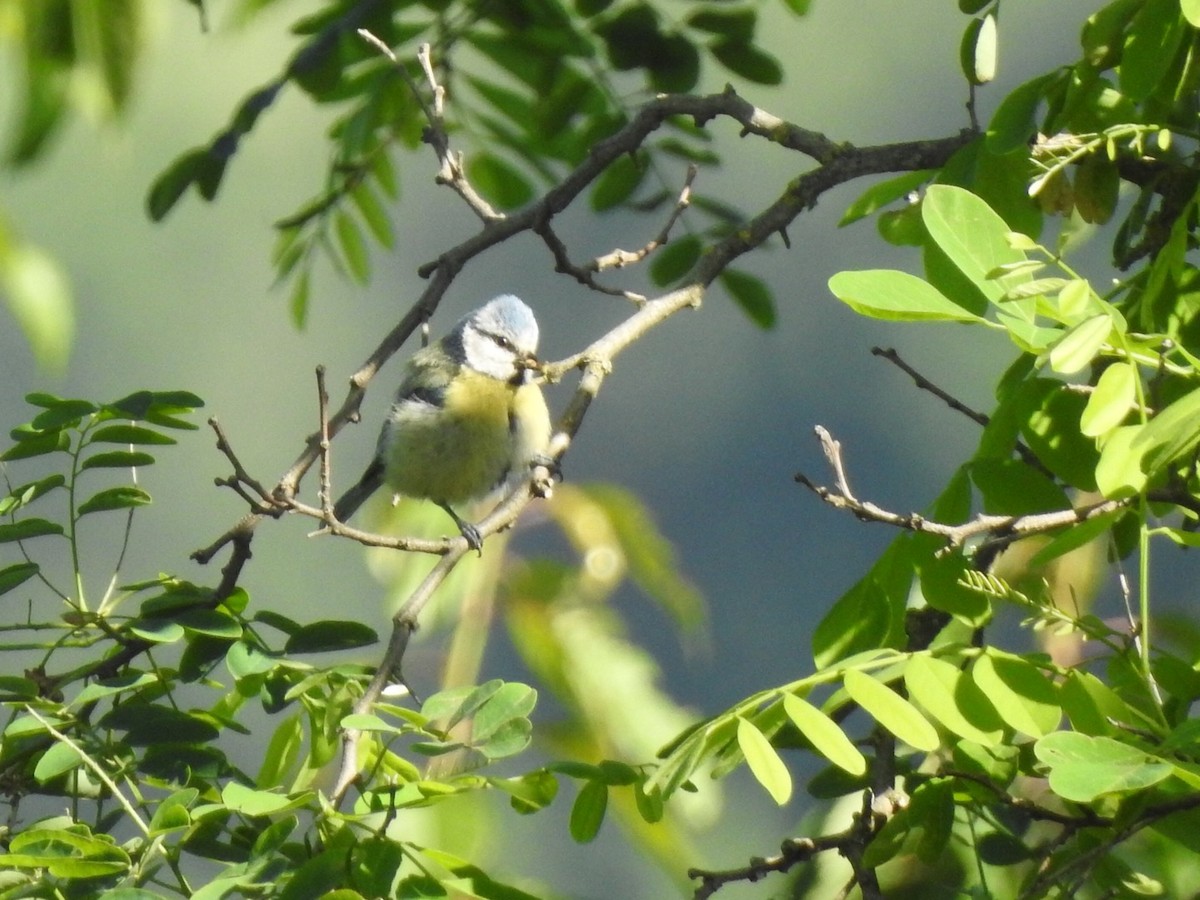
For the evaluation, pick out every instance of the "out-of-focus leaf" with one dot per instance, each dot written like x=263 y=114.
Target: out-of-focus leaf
x=353 y=247
x=373 y=214
x=632 y=37
x=736 y=24
x=617 y=183
x=169 y=186
x=751 y=62
x=752 y=294
x=676 y=66
x=652 y=562
x=675 y=260
x=498 y=180
x=39 y=297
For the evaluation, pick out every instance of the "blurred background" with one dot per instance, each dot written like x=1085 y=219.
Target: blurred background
x=706 y=420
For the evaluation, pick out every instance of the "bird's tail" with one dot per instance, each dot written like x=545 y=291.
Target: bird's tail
x=350 y=501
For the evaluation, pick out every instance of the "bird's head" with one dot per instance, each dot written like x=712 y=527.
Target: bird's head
x=500 y=339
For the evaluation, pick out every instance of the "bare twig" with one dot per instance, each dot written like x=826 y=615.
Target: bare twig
x=957 y=405
x=997 y=528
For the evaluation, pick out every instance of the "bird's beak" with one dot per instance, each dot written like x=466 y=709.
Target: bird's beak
x=527 y=366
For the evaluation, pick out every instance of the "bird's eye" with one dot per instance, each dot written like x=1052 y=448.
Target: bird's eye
x=503 y=342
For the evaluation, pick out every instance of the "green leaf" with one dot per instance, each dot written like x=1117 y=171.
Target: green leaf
x=1170 y=435
x=941 y=579
x=66 y=854
x=146 y=725
x=169 y=186
x=122 y=497
x=251 y=802
x=617 y=183
x=529 y=793
x=56 y=761
x=944 y=691
x=884 y=193
x=373 y=214
x=512 y=701
x=764 y=762
x=1151 y=42
x=329 y=635
x=745 y=59
x=1084 y=767
x=891 y=710
x=1050 y=426
x=130 y=434
x=897 y=296
x=30 y=444
x=63 y=413
x=212 y=622
x=353 y=247
x=1191 y=11
x=1081 y=344
x=631 y=37
x=498 y=180
x=732 y=24
x=1111 y=401
x=973 y=237
x=506 y=740
x=587 y=812
x=118 y=459
x=977 y=53
x=39 y=298
x=25 y=494
x=1119 y=471
x=675 y=67
x=672 y=262
x=298 y=302
x=1021 y=694
x=824 y=734
x=24 y=529
x=752 y=295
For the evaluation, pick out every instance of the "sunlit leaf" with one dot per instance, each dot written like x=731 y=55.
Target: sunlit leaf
x=825 y=734
x=891 y=710
x=764 y=761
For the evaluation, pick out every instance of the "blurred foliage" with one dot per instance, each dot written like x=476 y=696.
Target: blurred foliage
x=73 y=58
x=1058 y=759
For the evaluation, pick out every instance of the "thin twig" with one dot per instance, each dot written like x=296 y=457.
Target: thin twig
x=996 y=527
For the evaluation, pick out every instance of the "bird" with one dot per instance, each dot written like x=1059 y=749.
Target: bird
x=468 y=416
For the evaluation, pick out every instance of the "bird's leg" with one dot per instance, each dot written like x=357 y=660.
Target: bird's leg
x=466 y=529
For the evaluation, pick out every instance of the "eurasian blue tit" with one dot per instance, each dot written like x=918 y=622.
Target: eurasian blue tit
x=468 y=417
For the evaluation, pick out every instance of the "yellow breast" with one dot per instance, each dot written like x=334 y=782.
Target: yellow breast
x=459 y=451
